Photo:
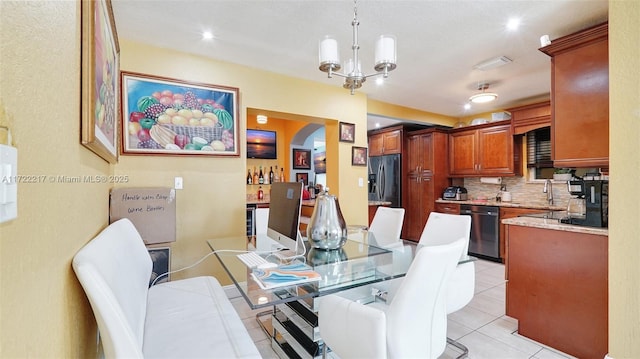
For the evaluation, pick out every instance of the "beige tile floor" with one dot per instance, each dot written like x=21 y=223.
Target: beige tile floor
x=482 y=325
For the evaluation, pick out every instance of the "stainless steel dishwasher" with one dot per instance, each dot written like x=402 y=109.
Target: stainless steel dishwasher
x=485 y=226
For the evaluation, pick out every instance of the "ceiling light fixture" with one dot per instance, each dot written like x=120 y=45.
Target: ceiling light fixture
x=262 y=119
x=483 y=97
x=385 y=57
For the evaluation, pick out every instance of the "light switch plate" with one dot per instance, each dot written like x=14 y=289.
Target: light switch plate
x=178 y=183
x=8 y=183
x=360 y=182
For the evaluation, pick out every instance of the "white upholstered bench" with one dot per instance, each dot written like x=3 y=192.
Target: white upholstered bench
x=189 y=318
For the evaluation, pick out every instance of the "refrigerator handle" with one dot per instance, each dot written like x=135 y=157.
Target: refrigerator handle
x=378 y=181
x=384 y=180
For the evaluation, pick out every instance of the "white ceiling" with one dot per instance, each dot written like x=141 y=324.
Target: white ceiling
x=438 y=42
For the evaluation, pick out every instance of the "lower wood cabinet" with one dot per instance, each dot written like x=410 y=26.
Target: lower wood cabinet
x=557 y=288
x=511 y=212
x=450 y=208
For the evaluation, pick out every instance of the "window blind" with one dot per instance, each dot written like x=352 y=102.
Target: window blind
x=539 y=148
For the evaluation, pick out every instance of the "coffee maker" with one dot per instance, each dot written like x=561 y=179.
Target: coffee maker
x=596 y=203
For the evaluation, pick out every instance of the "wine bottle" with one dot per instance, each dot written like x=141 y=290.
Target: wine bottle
x=282 y=175
x=276 y=177
x=260 y=194
x=255 y=175
x=271 y=175
x=261 y=177
x=249 y=177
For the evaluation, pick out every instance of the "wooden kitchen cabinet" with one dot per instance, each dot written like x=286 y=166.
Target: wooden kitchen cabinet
x=424 y=178
x=449 y=208
x=530 y=117
x=386 y=141
x=511 y=212
x=580 y=98
x=485 y=150
x=557 y=288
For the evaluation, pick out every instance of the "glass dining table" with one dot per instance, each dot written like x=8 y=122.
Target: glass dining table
x=356 y=271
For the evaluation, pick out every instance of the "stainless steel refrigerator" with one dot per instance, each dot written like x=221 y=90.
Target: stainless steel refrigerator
x=384 y=179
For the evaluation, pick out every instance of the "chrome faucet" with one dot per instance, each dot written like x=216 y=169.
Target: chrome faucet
x=548 y=189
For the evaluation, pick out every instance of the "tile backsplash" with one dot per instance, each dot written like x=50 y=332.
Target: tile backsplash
x=521 y=191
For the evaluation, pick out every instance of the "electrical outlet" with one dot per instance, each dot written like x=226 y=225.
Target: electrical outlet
x=178 y=183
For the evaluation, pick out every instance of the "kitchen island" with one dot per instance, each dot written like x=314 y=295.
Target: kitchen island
x=557 y=284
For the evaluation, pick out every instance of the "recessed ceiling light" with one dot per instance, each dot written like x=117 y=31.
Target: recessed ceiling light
x=467 y=106
x=513 y=24
x=207 y=35
x=380 y=81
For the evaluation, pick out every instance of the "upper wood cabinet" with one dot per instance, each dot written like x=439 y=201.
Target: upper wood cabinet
x=530 y=117
x=485 y=150
x=385 y=141
x=580 y=98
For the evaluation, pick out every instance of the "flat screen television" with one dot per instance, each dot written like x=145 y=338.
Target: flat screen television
x=284 y=213
x=261 y=144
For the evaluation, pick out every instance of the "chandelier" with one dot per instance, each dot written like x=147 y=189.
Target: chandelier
x=385 y=57
x=483 y=97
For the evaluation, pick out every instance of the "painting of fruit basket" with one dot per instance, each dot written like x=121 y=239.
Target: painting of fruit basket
x=171 y=117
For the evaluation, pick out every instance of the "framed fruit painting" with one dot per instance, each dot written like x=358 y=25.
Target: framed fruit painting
x=100 y=80
x=166 y=116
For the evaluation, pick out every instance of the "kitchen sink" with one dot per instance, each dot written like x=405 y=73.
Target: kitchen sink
x=557 y=215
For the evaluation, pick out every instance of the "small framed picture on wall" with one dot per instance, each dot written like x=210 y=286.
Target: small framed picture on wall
x=301 y=159
x=358 y=156
x=302 y=177
x=347 y=132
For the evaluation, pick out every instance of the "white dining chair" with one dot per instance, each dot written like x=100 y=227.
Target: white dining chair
x=386 y=226
x=262 y=220
x=413 y=324
x=443 y=228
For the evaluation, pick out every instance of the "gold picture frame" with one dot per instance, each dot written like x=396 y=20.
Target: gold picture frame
x=100 y=77
x=159 y=117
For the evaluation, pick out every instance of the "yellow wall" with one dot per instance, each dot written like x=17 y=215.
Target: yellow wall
x=624 y=214
x=212 y=202
x=394 y=111
x=43 y=311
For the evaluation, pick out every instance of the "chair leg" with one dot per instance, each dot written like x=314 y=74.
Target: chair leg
x=324 y=351
x=465 y=350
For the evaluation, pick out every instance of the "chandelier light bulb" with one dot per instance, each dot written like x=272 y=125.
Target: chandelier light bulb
x=329 y=57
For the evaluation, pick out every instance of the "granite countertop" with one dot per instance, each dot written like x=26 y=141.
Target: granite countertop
x=379 y=203
x=548 y=223
x=506 y=204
